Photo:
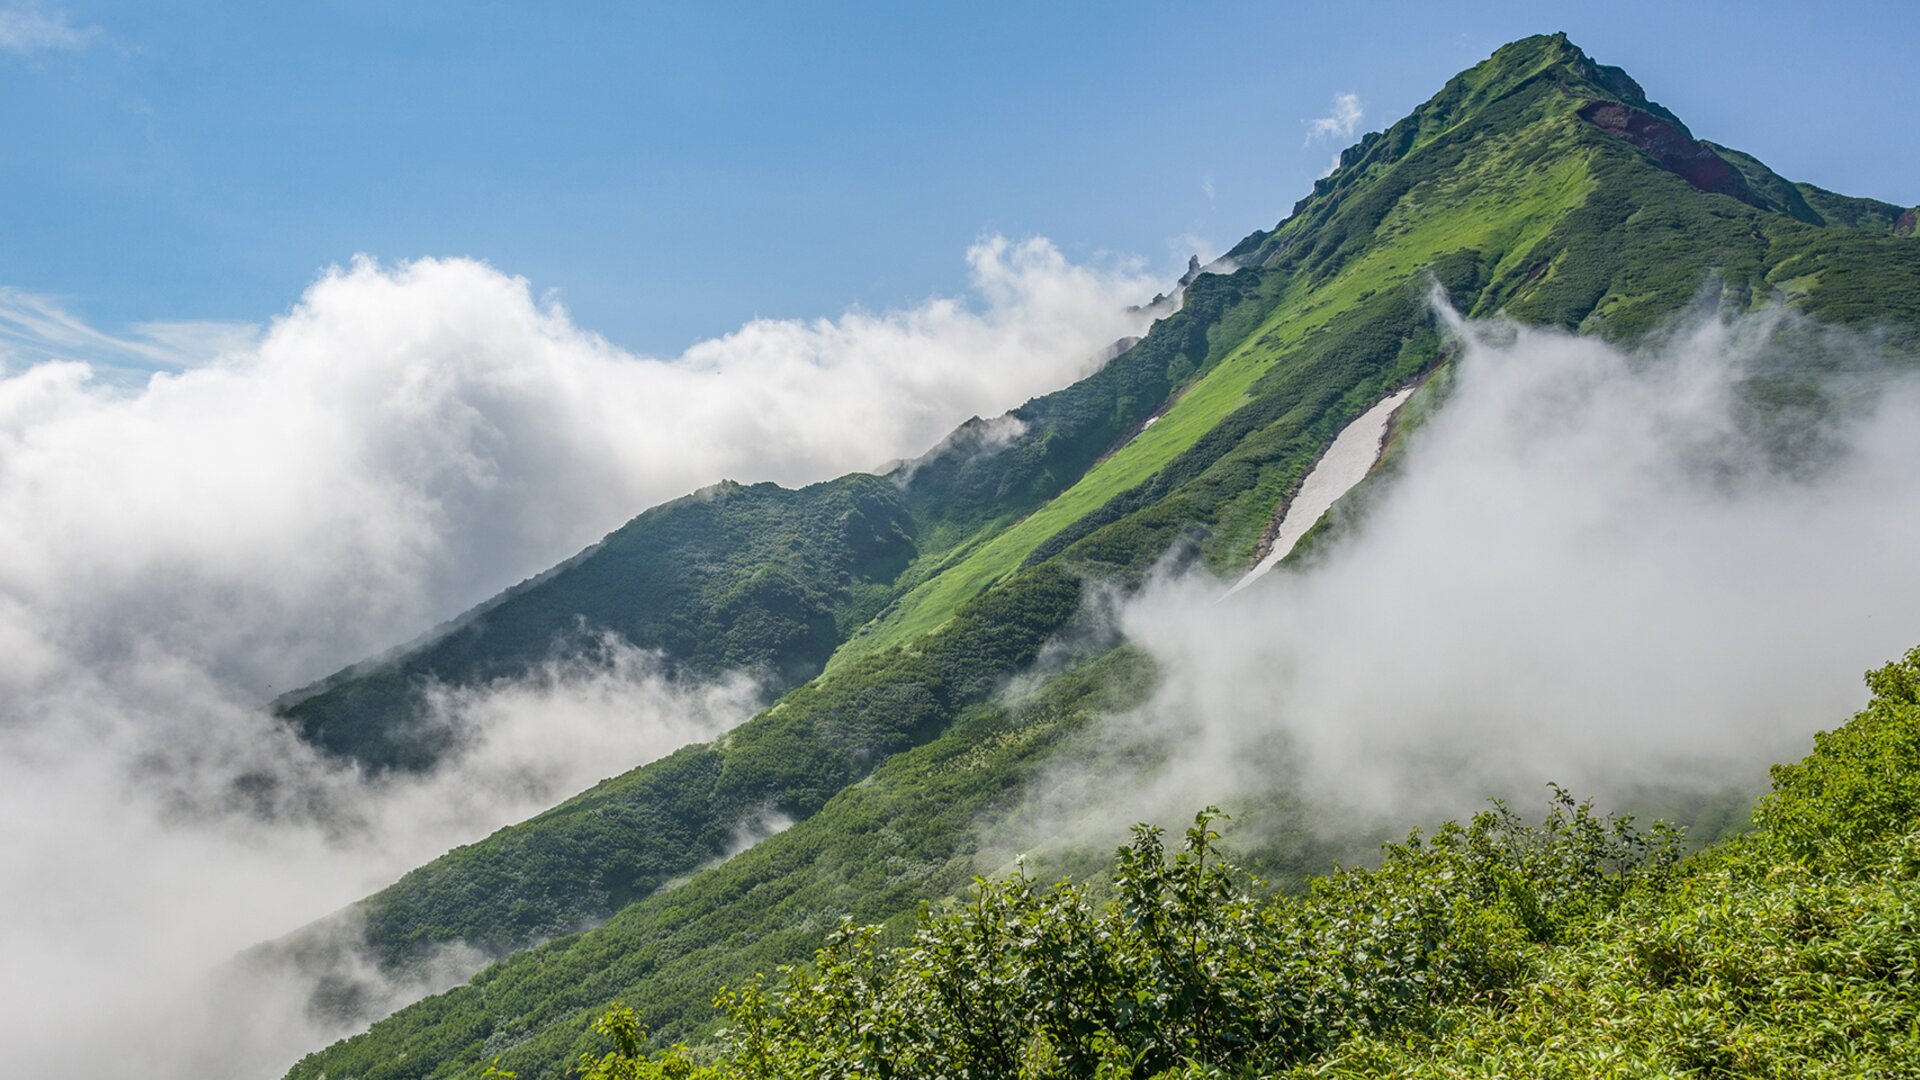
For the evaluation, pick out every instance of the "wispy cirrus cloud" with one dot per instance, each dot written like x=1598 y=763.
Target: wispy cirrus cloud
x=1341 y=122
x=31 y=28
x=35 y=329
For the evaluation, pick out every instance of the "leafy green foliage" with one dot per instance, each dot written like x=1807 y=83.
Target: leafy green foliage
x=1790 y=952
x=1190 y=964
x=1857 y=789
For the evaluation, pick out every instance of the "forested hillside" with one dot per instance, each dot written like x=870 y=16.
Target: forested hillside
x=898 y=608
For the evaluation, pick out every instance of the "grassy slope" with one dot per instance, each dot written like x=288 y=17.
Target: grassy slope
x=765 y=579
x=873 y=853
x=585 y=859
x=1581 y=947
x=1455 y=191
x=757 y=578
x=935 y=601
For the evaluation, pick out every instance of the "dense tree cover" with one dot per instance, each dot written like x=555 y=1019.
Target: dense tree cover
x=1497 y=189
x=1188 y=962
x=1579 y=947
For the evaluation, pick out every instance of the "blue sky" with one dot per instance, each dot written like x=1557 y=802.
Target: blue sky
x=671 y=171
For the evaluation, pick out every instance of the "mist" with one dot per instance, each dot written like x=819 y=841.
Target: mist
x=1644 y=573
x=405 y=441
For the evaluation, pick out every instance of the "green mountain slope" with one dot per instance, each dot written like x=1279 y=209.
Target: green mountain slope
x=1580 y=947
x=1538 y=183
x=760 y=579
x=589 y=857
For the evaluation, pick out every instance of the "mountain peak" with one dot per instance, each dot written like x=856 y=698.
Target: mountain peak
x=1544 y=84
x=1543 y=58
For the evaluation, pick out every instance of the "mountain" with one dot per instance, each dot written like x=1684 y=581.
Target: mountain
x=897 y=609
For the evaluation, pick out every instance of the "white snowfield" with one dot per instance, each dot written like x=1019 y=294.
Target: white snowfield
x=1346 y=463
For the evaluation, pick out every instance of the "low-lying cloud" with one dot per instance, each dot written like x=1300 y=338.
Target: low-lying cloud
x=1644 y=574
x=406 y=441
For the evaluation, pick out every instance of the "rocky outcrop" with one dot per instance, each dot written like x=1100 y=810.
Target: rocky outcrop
x=1671 y=147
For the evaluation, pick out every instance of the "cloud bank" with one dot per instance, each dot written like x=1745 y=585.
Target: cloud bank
x=406 y=441
x=1644 y=574
x=409 y=440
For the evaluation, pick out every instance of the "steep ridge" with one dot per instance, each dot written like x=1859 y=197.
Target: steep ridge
x=1499 y=191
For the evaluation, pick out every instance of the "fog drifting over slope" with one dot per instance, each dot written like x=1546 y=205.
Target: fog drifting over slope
x=405 y=442
x=1593 y=566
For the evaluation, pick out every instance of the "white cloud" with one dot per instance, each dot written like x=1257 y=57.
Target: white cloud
x=406 y=441
x=409 y=440
x=33 y=28
x=135 y=866
x=1341 y=122
x=1596 y=567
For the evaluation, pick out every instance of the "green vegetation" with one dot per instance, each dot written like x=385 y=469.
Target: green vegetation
x=874 y=852
x=760 y=579
x=1581 y=947
x=625 y=838
x=911 y=601
x=1218 y=313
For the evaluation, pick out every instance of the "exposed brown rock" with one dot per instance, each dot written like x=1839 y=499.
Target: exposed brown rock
x=1670 y=147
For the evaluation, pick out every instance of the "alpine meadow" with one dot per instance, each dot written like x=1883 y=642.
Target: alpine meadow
x=1425 y=640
